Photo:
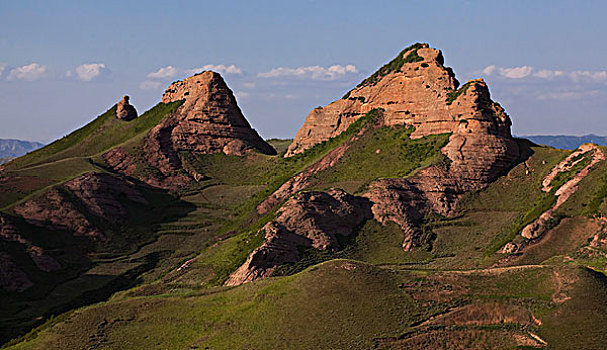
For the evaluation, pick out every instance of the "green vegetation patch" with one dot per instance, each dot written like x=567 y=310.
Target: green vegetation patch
x=386 y=152
x=393 y=66
x=100 y=135
x=453 y=95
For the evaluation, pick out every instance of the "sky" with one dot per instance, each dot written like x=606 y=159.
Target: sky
x=62 y=63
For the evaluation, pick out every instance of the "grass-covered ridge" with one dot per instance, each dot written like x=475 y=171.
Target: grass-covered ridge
x=385 y=152
x=103 y=133
x=393 y=66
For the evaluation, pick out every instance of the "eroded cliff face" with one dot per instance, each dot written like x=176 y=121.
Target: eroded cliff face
x=308 y=219
x=414 y=89
x=423 y=93
x=208 y=121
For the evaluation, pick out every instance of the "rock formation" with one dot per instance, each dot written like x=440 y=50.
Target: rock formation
x=101 y=194
x=538 y=227
x=308 y=219
x=208 y=121
x=124 y=110
x=414 y=89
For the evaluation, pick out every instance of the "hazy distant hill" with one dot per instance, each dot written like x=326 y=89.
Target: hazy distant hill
x=16 y=148
x=567 y=141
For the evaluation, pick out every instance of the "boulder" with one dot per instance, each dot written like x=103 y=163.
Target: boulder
x=124 y=110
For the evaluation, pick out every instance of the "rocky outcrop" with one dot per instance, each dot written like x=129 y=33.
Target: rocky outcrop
x=416 y=89
x=12 y=279
x=124 y=110
x=55 y=211
x=302 y=180
x=537 y=228
x=99 y=194
x=42 y=260
x=308 y=219
x=10 y=233
x=208 y=121
x=103 y=195
x=120 y=161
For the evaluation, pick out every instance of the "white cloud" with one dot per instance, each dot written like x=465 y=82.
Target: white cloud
x=548 y=74
x=597 y=76
x=528 y=71
x=164 y=73
x=311 y=72
x=88 y=71
x=2 y=68
x=566 y=95
x=489 y=70
x=241 y=95
x=149 y=84
x=516 y=72
x=249 y=85
x=171 y=72
x=28 y=72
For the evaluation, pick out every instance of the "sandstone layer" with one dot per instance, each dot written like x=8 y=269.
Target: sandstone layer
x=414 y=89
x=538 y=227
x=208 y=121
x=308 y=219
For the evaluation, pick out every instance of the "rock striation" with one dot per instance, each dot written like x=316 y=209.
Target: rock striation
x=71 y=206
x=124 y=110
x=414 y=89
x=208 y=121
x=308 y=219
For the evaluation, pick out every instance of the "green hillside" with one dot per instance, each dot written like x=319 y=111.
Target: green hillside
x=103 y=133
x=75 y=154
x=171 y=260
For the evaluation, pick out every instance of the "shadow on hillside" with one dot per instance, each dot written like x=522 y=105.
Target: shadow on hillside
x=91 y=270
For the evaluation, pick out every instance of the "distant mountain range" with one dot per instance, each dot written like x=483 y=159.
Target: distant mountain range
x=567 y=141
x=10 y=149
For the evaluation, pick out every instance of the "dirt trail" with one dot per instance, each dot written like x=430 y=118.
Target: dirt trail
x=537 y=228
x=559 y=295
x=496 y=270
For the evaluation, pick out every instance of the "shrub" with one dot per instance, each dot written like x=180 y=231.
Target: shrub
x=453 y=95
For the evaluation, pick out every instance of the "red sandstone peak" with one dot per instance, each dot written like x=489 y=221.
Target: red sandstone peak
x=209 y=120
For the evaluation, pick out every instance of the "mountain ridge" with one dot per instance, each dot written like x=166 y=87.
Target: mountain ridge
x=570 y=142
x=13 y=148
x=375 y=228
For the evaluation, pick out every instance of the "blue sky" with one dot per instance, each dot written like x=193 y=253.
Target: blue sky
x=64 y=62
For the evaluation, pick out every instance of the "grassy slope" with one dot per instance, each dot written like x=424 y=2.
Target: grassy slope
x=399 y=157
x=328 y=306
x=76 y=153
x=488 y=219
x=103 y=133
